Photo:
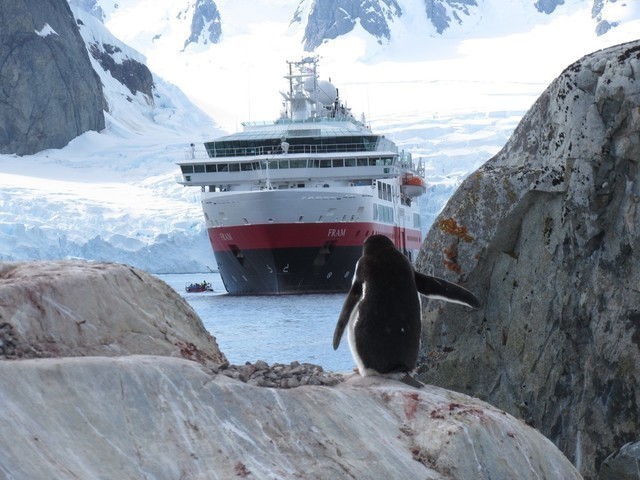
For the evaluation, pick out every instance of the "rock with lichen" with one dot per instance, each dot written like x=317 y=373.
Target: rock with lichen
x=546 y=233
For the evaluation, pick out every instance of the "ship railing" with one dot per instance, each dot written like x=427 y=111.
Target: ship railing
x=292 y=149
x=318 y=119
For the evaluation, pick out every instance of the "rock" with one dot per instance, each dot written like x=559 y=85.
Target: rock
x=206 y=24
x=160 y=417
x=546 y=234
x=50 y=93
x=124 y=380
x=329 y=19
x=622 y=465
x=76 y=308
x=281 y=376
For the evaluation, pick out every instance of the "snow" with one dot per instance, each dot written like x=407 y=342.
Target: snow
x=112 y=196
x=46 y=31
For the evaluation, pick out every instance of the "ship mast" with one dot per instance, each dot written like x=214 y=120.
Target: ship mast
x=302 y=95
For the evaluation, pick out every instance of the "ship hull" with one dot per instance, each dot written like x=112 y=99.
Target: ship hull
x=290 y=258
x=295 y=271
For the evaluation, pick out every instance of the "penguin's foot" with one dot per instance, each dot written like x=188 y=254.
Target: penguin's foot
x=409 y=380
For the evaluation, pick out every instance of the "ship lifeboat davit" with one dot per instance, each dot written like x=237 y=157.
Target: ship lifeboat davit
x=413 y=185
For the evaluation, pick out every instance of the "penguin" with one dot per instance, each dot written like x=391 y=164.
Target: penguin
x=382 y=310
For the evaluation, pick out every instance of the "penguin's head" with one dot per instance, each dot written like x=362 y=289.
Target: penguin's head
x=376 y=243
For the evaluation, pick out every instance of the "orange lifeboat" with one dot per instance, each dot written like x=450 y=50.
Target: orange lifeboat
x=413 y=185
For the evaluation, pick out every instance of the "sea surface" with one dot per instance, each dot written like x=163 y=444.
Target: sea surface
x=276 y=329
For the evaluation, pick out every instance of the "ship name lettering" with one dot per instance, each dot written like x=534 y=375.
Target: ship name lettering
x=226 y=237
x=337 y=232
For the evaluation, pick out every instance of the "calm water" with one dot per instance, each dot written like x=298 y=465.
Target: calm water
x=270 y=328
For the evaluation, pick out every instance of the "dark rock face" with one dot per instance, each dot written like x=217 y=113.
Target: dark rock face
x=328 y=19
x=205 y=25
x=441 y=13
x=547 y=234
x=49 y=91
x=134 y=75
x=547 y=6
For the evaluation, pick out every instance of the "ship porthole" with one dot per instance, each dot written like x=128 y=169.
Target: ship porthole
x=329 y=274
x=347 y=274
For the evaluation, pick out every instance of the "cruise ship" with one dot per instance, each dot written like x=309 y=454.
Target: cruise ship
x=288 y=203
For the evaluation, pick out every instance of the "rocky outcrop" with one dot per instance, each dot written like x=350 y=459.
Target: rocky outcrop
x=328 y=19
x=158 y=417
x=76 y=308
x=547 y=6
x=546 y=234
x=622 y=465
x=442 y=13
x=147 y=402
x=206 y=26
x=131 y=73
x=49 y=91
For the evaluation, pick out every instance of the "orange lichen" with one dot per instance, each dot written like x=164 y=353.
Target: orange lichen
x=450 y=226
x=451 y=261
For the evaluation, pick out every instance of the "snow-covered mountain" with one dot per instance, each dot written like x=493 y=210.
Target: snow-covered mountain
x=112 y=195
x=322 y=21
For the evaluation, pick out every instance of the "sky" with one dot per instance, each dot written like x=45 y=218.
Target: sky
x=113 y=195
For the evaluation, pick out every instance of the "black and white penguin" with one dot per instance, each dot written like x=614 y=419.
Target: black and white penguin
x=382 y=310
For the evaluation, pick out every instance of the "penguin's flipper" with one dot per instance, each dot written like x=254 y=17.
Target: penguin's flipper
x=440 y=289
x=351 y=302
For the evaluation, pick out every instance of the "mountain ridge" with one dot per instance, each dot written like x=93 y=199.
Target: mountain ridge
x=316 y=22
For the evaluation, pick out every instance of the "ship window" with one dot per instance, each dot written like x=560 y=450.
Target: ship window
x=350 y=162
x=245 y=167
x=234 y=167
x=416 y=220
x=373 y=161
x=210 y=168
x=325 y=163
x=301 y=185
x=283 y=164
x=223 y=167
x=198 y=169
x=363 y=162
x=186 y=168
x=298 y=163
x=375 y=211
x=338 y=162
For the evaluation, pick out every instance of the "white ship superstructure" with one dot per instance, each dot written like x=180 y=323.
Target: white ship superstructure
x=289 y=203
